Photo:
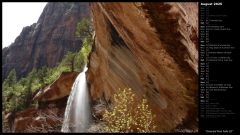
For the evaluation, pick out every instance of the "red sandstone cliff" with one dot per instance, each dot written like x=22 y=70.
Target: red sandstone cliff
x=45 y=42
x=152 y=48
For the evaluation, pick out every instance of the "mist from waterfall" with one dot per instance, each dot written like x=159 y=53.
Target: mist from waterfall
x=77 y=113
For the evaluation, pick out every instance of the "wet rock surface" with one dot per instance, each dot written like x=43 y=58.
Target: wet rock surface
x=151 y=48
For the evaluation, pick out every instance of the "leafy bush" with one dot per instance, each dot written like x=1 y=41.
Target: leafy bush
x=128 y=114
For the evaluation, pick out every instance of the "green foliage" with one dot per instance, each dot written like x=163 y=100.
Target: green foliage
x=74 y=61
x=15 y=92
x=86 y=49
x=84 y=29
x=128 y=114
x=42 y=73
x=82 y=55
x=11 y=79
x=69 y=60
x=8 y=91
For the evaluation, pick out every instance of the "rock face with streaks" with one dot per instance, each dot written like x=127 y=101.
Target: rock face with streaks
x=153 y=49
x=45 y=42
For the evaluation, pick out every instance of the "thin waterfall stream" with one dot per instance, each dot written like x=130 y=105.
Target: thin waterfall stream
x=77 y=113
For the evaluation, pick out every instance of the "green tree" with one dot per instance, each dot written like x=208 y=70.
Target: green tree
x=69 y=60
x=28 y=90
x=84 y=28
x=42 y=73
x=11 y=79
x=8 y=90
x=35 y=81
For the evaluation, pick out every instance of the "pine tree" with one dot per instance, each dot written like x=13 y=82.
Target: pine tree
x=69 y=60
x=11 y=79
x=42 y=73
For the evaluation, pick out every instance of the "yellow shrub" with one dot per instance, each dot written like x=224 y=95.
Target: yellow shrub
x=128 y=114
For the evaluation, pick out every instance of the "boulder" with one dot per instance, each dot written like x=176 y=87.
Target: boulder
x=60 y=88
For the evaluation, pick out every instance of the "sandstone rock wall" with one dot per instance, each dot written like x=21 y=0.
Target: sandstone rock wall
x=60 y=88
x=152 y=48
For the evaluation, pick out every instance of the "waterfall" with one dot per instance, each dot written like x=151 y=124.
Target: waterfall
x=77 y=113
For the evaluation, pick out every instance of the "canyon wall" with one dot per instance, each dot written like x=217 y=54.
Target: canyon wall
x=44 y=43
x=153 y=49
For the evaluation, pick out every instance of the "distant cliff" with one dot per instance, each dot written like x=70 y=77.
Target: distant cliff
x=153 y=49
x=45 y=42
